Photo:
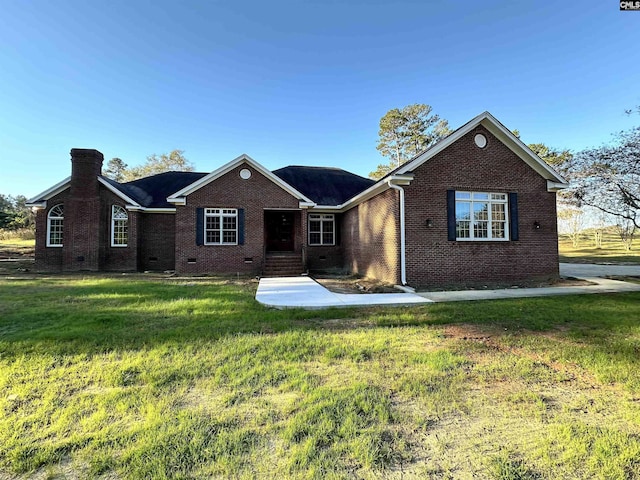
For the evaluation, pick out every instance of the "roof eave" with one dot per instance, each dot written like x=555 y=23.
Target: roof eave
x=177 y=200
x=375 y=189
x=556 y=186
x=40 y=200
x=133 y=208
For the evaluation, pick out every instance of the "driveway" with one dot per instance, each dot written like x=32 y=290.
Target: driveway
x=585 y=270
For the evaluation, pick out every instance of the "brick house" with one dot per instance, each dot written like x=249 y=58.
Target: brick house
x=478 y=206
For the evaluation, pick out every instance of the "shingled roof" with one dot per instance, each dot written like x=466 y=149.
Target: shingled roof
x=324 y=185
x=152 y=192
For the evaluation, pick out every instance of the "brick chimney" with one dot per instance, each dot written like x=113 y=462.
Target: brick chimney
x=86 y=165
x=82 y=220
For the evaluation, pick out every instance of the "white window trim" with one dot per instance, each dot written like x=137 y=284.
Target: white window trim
x=113 y=226
x=321 y=217
x=209 y=212
x=505 y=202
x=49 y=218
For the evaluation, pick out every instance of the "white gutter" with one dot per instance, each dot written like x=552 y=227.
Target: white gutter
x=403 y=266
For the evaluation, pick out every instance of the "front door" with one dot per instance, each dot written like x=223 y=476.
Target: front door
x=279 y=231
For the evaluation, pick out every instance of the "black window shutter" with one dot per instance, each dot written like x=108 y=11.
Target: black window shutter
x=199 y=226
x=241 y=226
x=337 y=229
x=513 y=216
x=451 y=215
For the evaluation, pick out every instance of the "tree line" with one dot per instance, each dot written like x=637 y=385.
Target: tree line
x=14 y=214
x=175 y=160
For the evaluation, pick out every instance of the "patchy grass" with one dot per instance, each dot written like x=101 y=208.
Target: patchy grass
x=612 y=250
x=16 y=255
x=141 y=378
x=16 y=242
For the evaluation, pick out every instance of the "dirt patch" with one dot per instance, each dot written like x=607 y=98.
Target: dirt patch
x=354 y=284
x=15 y=258
x=561 y=282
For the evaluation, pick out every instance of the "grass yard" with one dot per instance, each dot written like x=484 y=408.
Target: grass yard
x=612 y=250
x=127 y=377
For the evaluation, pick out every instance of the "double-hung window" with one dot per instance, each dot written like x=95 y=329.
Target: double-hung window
x=221 y=226
x=322 y=229
x=119 y=226
x=55 y=224
x=481 y=216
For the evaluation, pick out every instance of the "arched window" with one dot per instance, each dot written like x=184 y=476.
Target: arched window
x=55 y=221
x=119 y=226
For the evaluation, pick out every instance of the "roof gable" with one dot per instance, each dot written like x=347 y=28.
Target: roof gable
x=179 y=197
x=503 y=134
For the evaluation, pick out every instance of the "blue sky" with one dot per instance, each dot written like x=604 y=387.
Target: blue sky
x=300 y=82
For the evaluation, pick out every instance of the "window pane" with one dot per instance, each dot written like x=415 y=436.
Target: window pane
x=314 y=238
x=229 y=223
x=497 y=230
x=480 y=196
x=119 y=213
x=213 y=236
x=463 y=211
x=481 y=229
x=462 y=229
x=229 y=236
x=463 y=195
x=213 y=223
x=497 y=211
x=481 y=211
x=314 y=226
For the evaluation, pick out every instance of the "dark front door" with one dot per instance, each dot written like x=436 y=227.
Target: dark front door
x=280 y=231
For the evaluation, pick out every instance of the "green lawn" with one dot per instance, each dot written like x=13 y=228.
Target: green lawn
x=127 y=377
x=612 y=249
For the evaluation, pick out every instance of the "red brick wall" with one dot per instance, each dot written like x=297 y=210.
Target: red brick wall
x=371 y=238
x=48 y=258
x=254 y=195
x=117 y=258
x=324 y=258
x=158 y=241
x=434 y=261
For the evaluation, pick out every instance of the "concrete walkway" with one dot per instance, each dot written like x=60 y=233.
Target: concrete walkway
x=303 y=292
x=582 y=270
x=601 y=285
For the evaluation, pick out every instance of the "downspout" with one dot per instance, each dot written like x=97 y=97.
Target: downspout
x=403 y=267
